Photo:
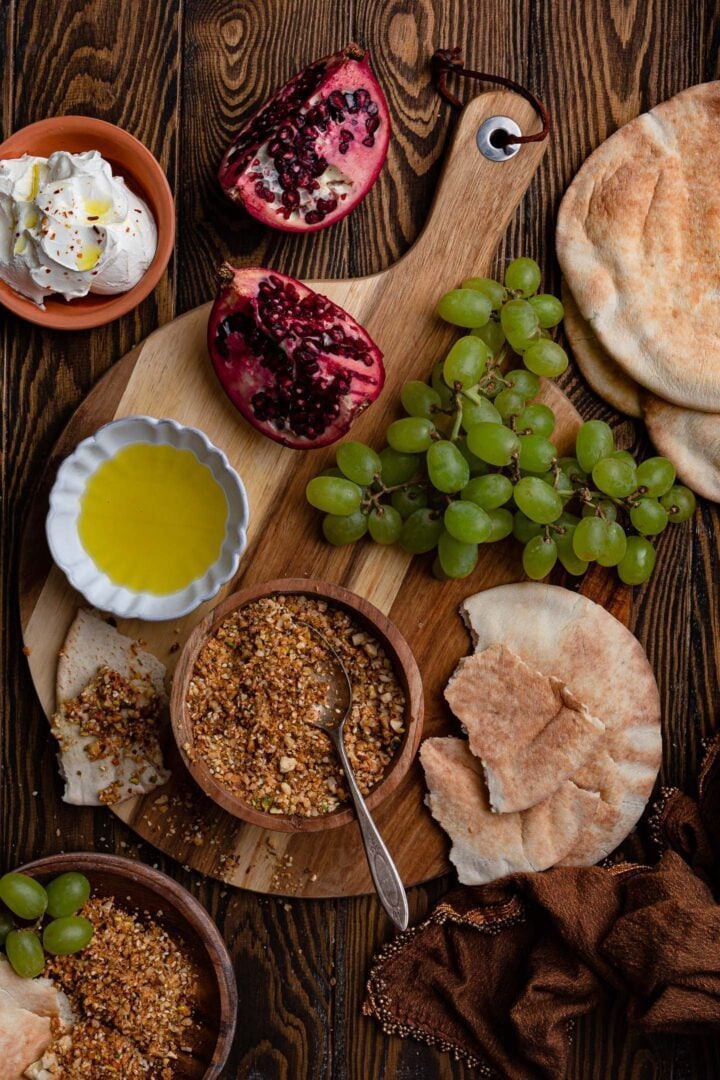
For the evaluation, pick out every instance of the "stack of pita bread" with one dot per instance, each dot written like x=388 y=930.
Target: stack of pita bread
x=96 y=771
x=562 y=715
x=638 y=240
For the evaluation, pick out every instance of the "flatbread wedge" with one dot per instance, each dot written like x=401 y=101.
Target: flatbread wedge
x=637 y=240
x=485 y=845
x=530 y=732
x=32 y=1013
x=690 y=439
x=564 y=634
x=110 y=704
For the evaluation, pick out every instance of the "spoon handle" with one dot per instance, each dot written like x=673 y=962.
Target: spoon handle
x=383 y=870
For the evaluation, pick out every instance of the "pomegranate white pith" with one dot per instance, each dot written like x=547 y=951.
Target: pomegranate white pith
x=298 y=367
x=314 y=150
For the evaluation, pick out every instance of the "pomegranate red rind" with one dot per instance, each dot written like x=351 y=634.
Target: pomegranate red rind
x=298 y=367
x=314 y=150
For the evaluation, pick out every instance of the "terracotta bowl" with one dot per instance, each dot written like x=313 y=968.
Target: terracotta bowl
x=140 y=888
x=129 y=159
x=365 y=615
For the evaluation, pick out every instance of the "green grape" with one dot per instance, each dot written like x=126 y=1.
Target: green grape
x=615 y=476
x=536 y=453
x=523 y=276
x=409 y=499
x=488 y=287
x=464 y=307
x=465 y=363
x=615 y=545
x=482 y=412
x=623 y=455
x=340 y=529
x=358 y=462
x=501 y=524
x=546 y=358
x=567 y=520
x=489 y=491
x=566 y=553
x=6 y=925
x=68 y=935
x=537 y=500
x=560 y=483
x=648 y=516
x=397 y=468
x=457 y=559
x=536 y=419
x=385 y=525
x=25 y=953
x=590 y=538
x=437 y=381
x=539 y=557
x=519 y=322
x=524 y=529
x=421 y=531
x=656 y=475
x=524 y=382
x=447 y=468
x=609 y=510
x=548 y=309
x=493 y=443
x=638 y=562
x=572 y=470
x=411 y=435
x=334 y=471
x=679 y=502
x=594 y=441
x=25 y=896
x=509 y=403
x=492 y=334
x=66 y=894
x=467 y=522
x=419 y=399
x=328 y=493
x=477 y=467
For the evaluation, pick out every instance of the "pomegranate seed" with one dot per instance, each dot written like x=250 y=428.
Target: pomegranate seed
x=350 y=101
x=291 y=199
x=337 y=100
x=314 y=216
x=372 y=124
x=362 y=98
x=368 y=141
x=372 y=109
x=346 y=136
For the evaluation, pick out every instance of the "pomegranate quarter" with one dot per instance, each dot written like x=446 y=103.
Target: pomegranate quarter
x=314 y=150
x=298 y=367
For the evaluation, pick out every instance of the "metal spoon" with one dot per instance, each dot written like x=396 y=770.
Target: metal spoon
x=332 y=721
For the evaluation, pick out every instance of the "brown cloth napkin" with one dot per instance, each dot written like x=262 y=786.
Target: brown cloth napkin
x=498 y=974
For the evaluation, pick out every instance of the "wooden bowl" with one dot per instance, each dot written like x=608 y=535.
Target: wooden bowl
x=140 y=888
x=374 y=622
x=140 y=170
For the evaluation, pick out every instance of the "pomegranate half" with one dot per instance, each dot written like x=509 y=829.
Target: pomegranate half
x=298 y=367
x=314 y=150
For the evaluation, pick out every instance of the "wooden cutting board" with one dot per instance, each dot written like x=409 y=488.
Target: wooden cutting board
x=169 y=375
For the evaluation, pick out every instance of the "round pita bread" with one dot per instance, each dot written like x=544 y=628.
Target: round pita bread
x=690 y=439
x=637 y=240
x=605 y=377
x=562 y=633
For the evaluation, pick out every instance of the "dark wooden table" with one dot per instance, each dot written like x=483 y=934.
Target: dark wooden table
x=181 y=75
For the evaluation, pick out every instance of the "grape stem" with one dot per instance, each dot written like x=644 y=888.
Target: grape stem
x=373 y=499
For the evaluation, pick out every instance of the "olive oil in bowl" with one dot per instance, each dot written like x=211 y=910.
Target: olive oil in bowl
x=153 y=518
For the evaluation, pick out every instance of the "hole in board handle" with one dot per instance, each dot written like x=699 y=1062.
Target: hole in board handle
x=492 y=138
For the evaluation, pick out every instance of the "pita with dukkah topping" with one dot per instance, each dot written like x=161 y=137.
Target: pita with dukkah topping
x=110 y=708
x=637 y=238
x=32 y=1013
x=530 y=732
x=565 y=635
x=688 y=438
x=487 y=845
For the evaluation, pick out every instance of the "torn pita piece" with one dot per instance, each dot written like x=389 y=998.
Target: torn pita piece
x=32 y=1014
x=485 y=845
x=110 y=708
x=529 y=730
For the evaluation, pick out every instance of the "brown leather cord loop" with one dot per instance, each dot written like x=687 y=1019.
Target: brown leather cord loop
x=447 y=61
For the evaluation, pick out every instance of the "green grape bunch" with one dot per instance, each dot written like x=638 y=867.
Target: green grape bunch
x=473 y=461
x=24 y=901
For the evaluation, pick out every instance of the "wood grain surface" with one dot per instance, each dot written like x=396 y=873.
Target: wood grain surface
x=181 y=74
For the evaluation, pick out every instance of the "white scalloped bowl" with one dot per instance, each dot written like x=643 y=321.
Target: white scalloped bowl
x=81 y=570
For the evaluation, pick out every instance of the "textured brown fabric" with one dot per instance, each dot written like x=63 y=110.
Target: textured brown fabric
x=498 y=973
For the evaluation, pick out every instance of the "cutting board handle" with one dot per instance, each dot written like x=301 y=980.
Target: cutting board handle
x=475 y=198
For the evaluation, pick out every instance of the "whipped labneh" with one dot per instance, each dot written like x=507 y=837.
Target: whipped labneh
x=68 y=226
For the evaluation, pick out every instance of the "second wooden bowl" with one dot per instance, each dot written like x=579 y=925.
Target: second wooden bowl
x=375 y=623
x=141 y=889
